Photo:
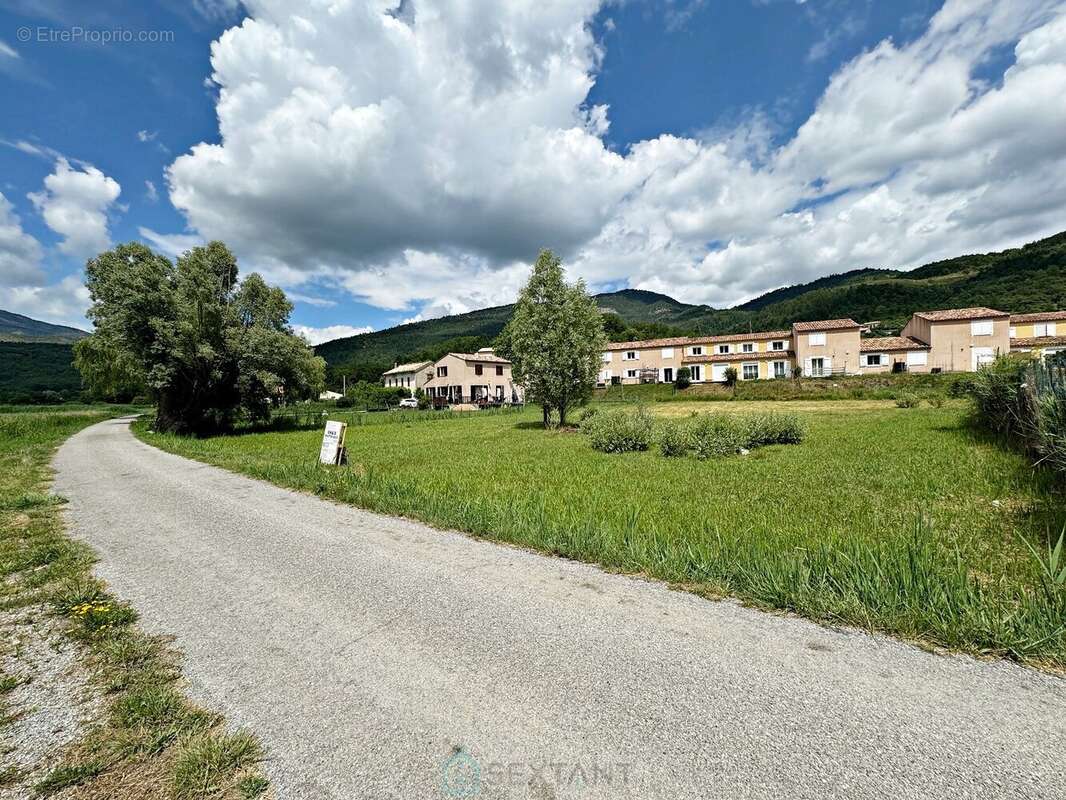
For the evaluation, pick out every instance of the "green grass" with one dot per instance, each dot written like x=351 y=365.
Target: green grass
x=150 y=726
x=899 y=520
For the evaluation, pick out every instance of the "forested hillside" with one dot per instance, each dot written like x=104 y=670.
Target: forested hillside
x=37 y=371
x=1029 y=278
x=17 y=328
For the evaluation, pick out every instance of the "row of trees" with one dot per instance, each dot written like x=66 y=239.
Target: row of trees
x=205 y=347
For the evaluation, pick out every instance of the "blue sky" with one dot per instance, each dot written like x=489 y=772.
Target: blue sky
x=398 y=163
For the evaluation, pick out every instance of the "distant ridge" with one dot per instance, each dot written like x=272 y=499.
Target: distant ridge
x=17 y=328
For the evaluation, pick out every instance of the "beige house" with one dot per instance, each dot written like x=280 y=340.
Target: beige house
x=481 y=378
x=1043 y=333
x=649 y=361
x=759 y=355
x=960 y=339
x=408 y=376
x=827 y=347
x=893 y=354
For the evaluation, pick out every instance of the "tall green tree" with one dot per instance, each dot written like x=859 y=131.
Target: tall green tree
x=204 y=346
x=555 y=339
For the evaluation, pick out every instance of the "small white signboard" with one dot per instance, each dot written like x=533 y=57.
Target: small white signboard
x=333 y=443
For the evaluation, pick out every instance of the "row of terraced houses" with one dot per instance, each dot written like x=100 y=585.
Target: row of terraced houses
x=954 y=340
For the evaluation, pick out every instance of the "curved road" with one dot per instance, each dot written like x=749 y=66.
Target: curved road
x=367 y=651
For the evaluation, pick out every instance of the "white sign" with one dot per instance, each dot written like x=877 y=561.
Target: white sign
x=332 y=442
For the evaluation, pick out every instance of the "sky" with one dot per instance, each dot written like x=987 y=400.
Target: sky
x=394 y=160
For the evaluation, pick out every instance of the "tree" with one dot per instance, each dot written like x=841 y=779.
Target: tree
x=684 y=378
x=731 y=378
x=555 y=339
x=204 y=346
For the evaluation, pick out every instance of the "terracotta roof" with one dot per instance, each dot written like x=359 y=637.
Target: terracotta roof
x=1040 y=316
x=414 y=366
x=640 y=345
x=880 y=344
x=825 y=325
x=769 y=355
x=680 y=341
x=1038 y=341
x=486 y=358
x=956 y=314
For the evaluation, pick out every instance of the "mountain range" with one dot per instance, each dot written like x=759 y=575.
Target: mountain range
x=17 y=328
x=1028 y=278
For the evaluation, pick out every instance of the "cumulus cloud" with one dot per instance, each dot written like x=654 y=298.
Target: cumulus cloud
x=75 y=203
x=20 y=253
x=419 y=155
x=329 y=333
x=62 y=303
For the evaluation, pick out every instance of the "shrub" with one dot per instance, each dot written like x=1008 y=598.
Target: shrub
x=345 y=402
x=996 y=394
x=620 y=431
x=774 y=428
x=675 y=438
x=684 y=378
x=717 y=435
x=907 y=400
x=935 y=400
x=731 y=376
x=588 y=413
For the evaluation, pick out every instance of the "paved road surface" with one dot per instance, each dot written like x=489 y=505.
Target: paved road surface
x=366 y=650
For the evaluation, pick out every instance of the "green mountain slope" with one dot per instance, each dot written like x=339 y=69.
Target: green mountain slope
x=1029 y=278
x=17 y=328
x=32 y=368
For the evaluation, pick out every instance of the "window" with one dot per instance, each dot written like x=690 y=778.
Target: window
x=1013 y=333
x=778 y=345
x=780 y=369
x=815 y=339
x=1044 y=329
x=723 y=349
x=499 y=369
x=817 y=367
x=668 y=352
x=632 y=373
x=981 y=327
x=696 y=372
x=695 y=351
x=606 y=358
x=749 y=372
x=478 y=369
x=748 y=347
x=873 y=360
x=917 y=359
x=631 y=355
x=442 y=372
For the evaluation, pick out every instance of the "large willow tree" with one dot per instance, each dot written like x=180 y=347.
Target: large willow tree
x=205 y=346
x=555 y=339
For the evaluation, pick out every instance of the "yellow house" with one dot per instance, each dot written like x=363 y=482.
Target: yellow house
x=1042 y=333
x=759 y=355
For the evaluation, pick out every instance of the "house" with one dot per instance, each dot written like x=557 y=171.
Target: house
x=893 y=354
x=471 y=378
x=649 y=361
x=960 y=339
x=757 y=355
x=827 y=347
x=408 y=376
x=1042 y=334
x=330 y=395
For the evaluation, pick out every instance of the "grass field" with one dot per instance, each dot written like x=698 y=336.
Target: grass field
x=151 y=742
x=900 y=520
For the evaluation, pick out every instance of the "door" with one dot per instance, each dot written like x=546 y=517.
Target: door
x=668 y=375
x=982 y=356
x=718 y=373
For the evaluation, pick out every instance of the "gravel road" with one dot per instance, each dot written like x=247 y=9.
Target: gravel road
x=380 y=658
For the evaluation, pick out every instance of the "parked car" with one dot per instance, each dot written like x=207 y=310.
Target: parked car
x=409 y=402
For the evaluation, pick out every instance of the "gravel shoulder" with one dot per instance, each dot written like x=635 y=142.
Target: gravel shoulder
x=379 y=657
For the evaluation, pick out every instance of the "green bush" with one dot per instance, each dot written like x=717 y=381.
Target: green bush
x=684 y=378
x=773 y=428
x=588 y=413
x=907 y=400
x=345 y=402
x=717 y=435
x=935 y=400
x=996 y=393
x=620 y=431
x=675 y=438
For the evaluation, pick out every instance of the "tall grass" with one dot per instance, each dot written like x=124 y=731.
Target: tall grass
x=883 y=519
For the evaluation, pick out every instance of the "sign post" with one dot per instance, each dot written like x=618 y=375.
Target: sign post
x=333 y=443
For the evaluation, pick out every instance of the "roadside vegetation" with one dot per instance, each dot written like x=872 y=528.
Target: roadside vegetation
x=148 y=739
x=902 y=520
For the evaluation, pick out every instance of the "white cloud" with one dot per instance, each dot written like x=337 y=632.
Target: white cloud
x=147 y=136
x=7 y=51
x=61 y=303
x=424 y=157
x=170 y=244
x=74 y=204
x=20 y=253
x=150 y=192
x=329 y=333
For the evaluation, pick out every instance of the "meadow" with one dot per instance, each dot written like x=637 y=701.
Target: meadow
x=151 y=740
x=902 y=520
